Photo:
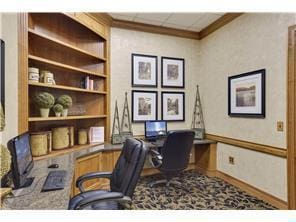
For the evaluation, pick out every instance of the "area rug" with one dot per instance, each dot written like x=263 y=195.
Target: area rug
x=199 y=193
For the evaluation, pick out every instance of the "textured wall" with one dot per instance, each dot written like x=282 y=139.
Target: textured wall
x=252 y=41
x=9 y=34
x=125 y=42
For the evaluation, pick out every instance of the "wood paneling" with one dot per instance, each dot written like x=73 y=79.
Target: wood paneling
x=23 y=107
x=206 y=158
x=225 y=19
x=281 y=152
x=291 y=109
x=253 y=190
x=154 y=29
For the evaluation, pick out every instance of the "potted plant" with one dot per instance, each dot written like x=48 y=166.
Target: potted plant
x=58 y=109
x=66 y=102
x=44 y=101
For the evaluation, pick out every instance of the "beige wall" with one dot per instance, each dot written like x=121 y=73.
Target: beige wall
x=0 y=38
x=9 y=35
x=125 y=42
x=252 y=41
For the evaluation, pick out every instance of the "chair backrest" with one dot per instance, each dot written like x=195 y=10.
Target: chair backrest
x=176 y=150
x=128 y=167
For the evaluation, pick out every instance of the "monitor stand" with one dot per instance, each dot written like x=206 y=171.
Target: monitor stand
x=27 y=183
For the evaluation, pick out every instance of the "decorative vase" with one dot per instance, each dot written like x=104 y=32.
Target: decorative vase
x=65 y=112
x=44 y=112
x=58 y=114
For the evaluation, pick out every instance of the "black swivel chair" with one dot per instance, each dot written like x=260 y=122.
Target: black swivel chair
x=123 y=181
x=173 y=156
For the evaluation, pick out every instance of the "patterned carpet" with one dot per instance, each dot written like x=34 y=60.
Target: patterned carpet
x=204 y=193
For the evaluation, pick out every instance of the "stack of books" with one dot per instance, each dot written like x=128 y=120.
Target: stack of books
x=87 y=83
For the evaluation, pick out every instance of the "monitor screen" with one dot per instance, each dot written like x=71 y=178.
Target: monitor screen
x=23 y=153
x=155 y=129
x=22 y=160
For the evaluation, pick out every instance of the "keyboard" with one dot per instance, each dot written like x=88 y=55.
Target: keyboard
x=158 y=143
x=55 y=180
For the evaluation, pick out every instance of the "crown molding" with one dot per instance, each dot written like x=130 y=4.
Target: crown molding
x=154 y=29
x=225 y=19
x=137 y=26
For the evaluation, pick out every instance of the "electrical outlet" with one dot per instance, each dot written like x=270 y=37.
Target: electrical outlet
x=231 y=160
x=280 y=126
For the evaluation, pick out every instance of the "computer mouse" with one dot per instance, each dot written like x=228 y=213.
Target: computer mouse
x=55 y=165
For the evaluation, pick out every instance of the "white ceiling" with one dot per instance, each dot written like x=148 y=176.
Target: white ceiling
x=187 y=21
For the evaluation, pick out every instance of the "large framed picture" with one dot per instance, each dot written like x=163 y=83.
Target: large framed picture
x=246 y=94
x=144 y=70
x=144 y=105
x=172 y=72
x=173 y=106
x=2 y=86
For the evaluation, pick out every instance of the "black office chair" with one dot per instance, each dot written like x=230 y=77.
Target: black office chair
x=173 y=157
x=123 y=181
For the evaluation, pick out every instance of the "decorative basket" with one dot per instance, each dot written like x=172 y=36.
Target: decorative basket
x=40 y=143
x=62 y=137
x=83 y=136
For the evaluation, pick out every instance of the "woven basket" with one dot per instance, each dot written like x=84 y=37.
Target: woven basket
x=62 y=137
x=40 y=143
x=82 y=136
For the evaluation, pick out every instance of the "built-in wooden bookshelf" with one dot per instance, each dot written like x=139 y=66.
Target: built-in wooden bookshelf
x=72 y=46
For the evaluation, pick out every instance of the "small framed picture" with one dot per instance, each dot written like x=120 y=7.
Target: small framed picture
x=144 y=70
x=246 y=94
x=144 y=105
x=172 y=72
x=173 y=106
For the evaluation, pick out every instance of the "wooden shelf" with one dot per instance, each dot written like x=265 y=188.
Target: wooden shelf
x=53 y=118
x=64 y=44
x=64 y=66
x=67 y=150
x=38 y=84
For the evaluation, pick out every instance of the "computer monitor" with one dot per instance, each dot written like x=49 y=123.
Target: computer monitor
x=22 y=160
x=155 y=129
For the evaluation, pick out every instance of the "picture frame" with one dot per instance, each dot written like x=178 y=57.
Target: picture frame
x=246 y=94
x=144 y=70
x=172 y=72
x=2 y=85
x=173 y=106
x=144 y=105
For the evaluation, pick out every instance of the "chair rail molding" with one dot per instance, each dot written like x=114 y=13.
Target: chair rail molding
x=276 y=151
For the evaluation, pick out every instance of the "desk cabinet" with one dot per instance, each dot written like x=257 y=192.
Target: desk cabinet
x=102 y=161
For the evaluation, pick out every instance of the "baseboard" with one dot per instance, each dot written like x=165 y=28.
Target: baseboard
x=209 y=173
x=280 y=204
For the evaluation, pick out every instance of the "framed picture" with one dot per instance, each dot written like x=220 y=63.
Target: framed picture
x=173 y=106
x=172 y=72
x=246 y=94
x=144 y=105
x=144 y=70
x=2 y=86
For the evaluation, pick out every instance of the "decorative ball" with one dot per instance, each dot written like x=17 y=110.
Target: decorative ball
x=5 y=159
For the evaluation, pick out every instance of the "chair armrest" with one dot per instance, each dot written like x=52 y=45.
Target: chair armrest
x=155 y=158
x=97 y=197
x=80 y=180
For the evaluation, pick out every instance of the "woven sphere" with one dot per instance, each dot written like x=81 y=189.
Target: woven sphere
x=5 y=160
x=2 y=119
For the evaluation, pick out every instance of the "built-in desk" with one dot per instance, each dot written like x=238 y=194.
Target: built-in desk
x=99 y=158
